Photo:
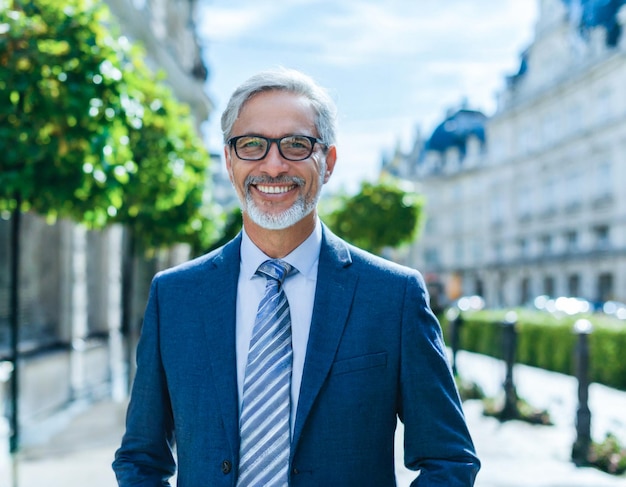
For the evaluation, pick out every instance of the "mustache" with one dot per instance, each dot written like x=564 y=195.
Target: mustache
x=254 y=180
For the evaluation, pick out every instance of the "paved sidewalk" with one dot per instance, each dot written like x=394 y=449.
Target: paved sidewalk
x=518 y=454
x=76 y=450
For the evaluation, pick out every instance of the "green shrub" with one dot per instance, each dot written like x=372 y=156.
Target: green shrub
x=494 y=407
x=548 y=342
x=607 y=347
x=609 y=456
x=468 y=389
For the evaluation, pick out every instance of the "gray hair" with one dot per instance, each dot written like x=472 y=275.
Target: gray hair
x=289 y=80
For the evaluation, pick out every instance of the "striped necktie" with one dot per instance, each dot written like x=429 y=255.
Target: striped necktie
x=264 y=424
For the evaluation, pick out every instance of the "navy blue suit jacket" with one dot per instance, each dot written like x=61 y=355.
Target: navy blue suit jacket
x=375 y=353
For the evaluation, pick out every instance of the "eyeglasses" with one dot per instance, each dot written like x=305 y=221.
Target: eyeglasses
x=290 y=147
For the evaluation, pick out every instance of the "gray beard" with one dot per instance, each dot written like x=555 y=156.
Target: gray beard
x=300 y=209
x=278 y=221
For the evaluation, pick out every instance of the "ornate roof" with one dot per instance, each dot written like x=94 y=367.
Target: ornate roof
x=455 y=130
x=594 y=13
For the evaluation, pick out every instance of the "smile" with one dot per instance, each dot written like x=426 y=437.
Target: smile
x=274 y=189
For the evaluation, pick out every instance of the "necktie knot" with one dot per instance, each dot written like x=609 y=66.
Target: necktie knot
x=275 y=269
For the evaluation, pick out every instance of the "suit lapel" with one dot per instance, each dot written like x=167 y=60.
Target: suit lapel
x=333 y=299
x=219 y=320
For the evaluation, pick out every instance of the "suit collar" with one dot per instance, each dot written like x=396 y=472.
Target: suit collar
x=304 y=257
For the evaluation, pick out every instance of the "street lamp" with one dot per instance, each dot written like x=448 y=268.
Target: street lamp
x=580 y=450
x=509 y=344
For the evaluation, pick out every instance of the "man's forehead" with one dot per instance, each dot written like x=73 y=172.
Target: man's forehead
x=280 y=112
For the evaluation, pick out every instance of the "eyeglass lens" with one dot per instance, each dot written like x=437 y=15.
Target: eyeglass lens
x=293 y=147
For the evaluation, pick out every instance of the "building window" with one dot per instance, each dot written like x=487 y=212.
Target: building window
x=548 y=198
x=546 y=244
x=572 y=191
x=497 y=209
x=571 y=240
x=573 y=285
x=603 y=182
x=522 y=247
x=548 y=286
x=479 y=288
x=525 y=202
x=605 y=286
x=601 y=237
x=525 y=290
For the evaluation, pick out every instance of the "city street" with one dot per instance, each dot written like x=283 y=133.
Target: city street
x=76 y=449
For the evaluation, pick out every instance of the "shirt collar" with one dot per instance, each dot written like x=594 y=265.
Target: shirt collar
x=303 y=258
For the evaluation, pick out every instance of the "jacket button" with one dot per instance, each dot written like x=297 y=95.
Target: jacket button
x=226 y=467
x=295 y=471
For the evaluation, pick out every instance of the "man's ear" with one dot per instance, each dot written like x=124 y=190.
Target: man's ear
x=331 y=158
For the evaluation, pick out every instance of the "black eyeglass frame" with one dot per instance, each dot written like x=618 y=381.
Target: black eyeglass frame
x=314 y=140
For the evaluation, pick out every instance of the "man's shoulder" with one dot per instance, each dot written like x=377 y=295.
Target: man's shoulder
x=374 y=262
x=363 y=261
x=199 y=266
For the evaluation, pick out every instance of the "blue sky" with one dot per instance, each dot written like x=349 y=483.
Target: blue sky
x=392 y=67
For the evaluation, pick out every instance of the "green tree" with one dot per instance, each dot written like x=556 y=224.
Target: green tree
x=165 y=199
x=60 y=125
x=88 y=133
x=60 y=110
x=232 y=226
x=378 y=216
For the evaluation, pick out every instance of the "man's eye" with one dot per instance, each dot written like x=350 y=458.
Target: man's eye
x=298 y=143
x=250 y=143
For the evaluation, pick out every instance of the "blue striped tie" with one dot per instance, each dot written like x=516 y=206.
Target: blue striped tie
x=265 y=414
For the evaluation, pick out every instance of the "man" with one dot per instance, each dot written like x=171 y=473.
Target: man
x=358 y=344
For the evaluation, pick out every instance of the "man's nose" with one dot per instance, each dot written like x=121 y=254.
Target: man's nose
x=274 y=163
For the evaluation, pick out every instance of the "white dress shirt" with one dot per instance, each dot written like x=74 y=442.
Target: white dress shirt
x=300 y=290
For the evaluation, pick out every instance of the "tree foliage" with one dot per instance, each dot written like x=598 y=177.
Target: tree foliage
x=88 y=132
x=232 y=226
x=165 y=182
x=60 y=123
x=378 y=216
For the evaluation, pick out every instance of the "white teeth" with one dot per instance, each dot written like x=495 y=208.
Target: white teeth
x=274 y=189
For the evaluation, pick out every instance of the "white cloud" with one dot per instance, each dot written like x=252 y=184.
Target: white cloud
x=221 y=24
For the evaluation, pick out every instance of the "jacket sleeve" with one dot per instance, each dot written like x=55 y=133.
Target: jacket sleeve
x=436 y=438
x=145 y=457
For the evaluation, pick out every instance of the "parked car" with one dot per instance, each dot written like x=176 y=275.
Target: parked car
x=615 y=308
x=470 y=303
x=570 y=305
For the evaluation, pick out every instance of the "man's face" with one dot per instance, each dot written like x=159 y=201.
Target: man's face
x=276 y=193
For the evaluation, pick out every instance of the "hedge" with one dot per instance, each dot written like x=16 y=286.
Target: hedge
x=548 y=341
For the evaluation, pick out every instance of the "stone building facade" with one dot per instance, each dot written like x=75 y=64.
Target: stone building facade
x=531 y=200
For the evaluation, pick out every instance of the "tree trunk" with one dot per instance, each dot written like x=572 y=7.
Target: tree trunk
x=14 y=310
x=128 y=280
